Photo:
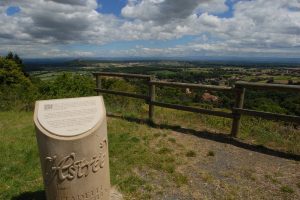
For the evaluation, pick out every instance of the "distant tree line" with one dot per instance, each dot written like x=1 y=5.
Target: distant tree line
x=19 y=91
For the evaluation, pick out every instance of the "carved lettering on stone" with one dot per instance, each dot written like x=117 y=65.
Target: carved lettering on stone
x=69 y=167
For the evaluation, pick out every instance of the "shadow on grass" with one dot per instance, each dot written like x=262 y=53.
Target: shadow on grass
x=38 y=195
x=222 y=138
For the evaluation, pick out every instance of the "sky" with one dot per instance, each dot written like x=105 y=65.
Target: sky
x=150 y=28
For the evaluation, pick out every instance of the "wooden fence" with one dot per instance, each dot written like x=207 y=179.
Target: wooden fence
x=237 y=111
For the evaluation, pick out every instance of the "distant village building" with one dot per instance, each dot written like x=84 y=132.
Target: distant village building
x=209 y=97
x=188 y=91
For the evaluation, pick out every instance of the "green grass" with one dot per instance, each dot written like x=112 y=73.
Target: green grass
x=190 y=154
x=129 y=150
x=286 y=189
x=257 y=131
x=134 y=149
x=19 y=163
x=173 y=140
x=210 y=153
x=275 y=135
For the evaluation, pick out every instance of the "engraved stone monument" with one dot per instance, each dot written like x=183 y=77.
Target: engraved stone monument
x=72 y=141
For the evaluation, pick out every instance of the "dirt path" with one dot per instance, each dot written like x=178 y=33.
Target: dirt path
x=217 y=170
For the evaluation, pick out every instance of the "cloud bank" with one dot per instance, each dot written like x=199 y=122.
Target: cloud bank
x=52 y=28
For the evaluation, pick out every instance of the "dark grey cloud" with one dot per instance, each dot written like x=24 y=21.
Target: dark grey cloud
x=45 y=22
x=71 y=2
x=175 y=9
x=60 y=27
x=161 y=12
x=6 y=36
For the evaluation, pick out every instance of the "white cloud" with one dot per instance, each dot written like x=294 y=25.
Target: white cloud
x=260 y=27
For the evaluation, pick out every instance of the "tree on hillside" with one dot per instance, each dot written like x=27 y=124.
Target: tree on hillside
x=11 y=73
x=15 y=57
x=10 y=56
x=16 y=90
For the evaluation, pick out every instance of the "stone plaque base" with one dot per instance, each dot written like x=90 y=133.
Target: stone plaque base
x=73 y=146
x=115 y=194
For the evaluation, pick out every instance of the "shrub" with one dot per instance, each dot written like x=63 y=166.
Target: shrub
x=16 y=90
x=67 y=85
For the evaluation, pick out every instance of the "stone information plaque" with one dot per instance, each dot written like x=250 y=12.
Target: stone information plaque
x=72 y=140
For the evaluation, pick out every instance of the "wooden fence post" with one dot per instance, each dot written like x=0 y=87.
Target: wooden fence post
x=98 y=83
x=152 y=98
x=239 y=103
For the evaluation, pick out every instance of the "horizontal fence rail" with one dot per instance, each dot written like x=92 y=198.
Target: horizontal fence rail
x=237 y=110
x=264 y=86
x=126 y=94
x=268 y=115
x=123 y=75
x=191 y=86
x=193 y=109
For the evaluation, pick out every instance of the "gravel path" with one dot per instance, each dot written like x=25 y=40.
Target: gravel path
x=224 y=171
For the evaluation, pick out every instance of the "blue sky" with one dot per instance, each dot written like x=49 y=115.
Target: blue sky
x=111 y=6
x=13 y=10
x=150 y=28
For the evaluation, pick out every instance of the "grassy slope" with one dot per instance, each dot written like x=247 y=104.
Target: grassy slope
x=134 y=148
x=275 y=135
x=129 y=150
x=19 y=164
